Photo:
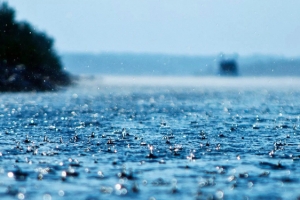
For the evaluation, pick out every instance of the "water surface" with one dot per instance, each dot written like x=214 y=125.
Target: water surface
x=153 y=138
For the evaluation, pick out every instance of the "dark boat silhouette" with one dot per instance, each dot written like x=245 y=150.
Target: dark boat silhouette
x=228 y=68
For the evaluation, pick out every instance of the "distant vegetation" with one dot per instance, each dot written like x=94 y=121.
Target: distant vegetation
x=28 y=61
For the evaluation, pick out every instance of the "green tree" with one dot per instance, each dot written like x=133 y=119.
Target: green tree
x=21 y=45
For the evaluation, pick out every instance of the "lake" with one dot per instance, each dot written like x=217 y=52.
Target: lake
x=153 y=138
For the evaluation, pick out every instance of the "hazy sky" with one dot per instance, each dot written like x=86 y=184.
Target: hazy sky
x=201 y=27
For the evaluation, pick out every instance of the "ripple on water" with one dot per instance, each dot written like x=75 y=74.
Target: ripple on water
x=157 y=144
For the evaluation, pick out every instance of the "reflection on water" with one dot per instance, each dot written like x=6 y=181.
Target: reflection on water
x=191 y=139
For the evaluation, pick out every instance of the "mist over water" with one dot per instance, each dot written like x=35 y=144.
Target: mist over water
x=191 y=82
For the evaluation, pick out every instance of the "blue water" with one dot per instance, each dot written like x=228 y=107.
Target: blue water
x=101 y=140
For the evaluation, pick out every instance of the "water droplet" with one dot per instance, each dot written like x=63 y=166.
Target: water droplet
x=21 y=196
x=47 y=197
x=61 y=193
x=10 y=174
x=219 y=194
x=118 y=186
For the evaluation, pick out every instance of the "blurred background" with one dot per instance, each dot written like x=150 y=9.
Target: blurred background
x=173 y=38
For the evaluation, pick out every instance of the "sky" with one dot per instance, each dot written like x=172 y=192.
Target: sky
x=184 y=27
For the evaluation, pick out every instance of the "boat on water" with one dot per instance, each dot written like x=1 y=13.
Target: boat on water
x=228 y=67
